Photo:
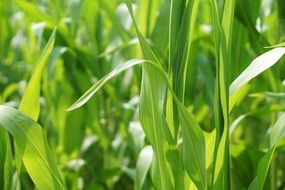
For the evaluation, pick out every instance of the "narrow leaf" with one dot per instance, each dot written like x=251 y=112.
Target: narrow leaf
x=278 y=131
x=30 y=103
x=143 y=165
x=91 y=91
x=262 y=170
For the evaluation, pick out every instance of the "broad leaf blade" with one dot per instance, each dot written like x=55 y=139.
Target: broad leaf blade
x=194 y=148
x=30 y=140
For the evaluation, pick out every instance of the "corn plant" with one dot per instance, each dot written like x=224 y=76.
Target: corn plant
x=180 y=94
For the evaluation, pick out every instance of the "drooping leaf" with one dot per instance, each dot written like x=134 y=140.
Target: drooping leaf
x=30 y=140
x=257 y=66
x=92 y=90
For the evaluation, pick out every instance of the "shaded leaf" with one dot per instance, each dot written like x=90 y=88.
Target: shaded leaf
x=262 y=169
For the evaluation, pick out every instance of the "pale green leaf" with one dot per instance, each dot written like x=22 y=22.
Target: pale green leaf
x=237 y=96
x=220 y=166
x=278 y=131
x=210 y=141
x=92 y=90
x=33 y=11
x=257 y=66
x=277 y=45
x=143 y=164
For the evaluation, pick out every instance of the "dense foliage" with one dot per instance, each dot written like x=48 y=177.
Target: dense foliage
x=142 y=94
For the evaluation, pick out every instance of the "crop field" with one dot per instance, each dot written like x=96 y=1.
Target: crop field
x=142 y=94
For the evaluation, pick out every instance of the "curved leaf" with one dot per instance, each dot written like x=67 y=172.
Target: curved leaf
x=277 y=132
x=143 y=165
x=91 y=91
x=262 y=169
x=30 y=103
x=30 y=140
x=194 y=145
x=257 y=66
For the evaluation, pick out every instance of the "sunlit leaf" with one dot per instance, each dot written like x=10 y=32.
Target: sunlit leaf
x=36 y=155
x=30 y=103
x=257 y=66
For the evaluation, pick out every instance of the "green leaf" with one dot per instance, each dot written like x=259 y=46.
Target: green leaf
x=237 y=96
x=278 y=131
x=30 y=103
x=6 y=166
x=210 y=141
x=151 y=112
x=220 y=166
x=194 y=148
x=181 y=34
x=262 y=169
x=30 y=140
x=117 y=47
x=257 y=66
x=92 y=90
x=33 y=11
x=143 y=164
x=277 y=45
x=223 y=26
